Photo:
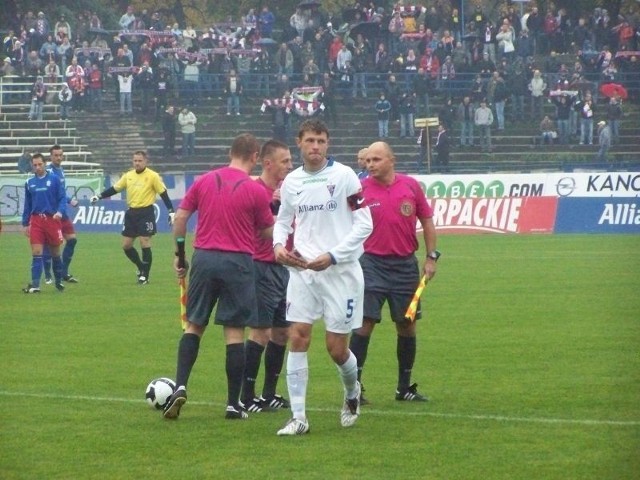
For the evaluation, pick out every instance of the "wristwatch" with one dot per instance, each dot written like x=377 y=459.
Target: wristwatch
x=435 y=255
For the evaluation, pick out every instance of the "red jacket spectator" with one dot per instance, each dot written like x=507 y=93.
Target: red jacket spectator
x=550 y=25
x=430 y=63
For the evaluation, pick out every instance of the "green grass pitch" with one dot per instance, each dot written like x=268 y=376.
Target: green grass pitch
x=530 y=352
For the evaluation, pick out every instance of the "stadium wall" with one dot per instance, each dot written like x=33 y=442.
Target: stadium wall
x=545 y=203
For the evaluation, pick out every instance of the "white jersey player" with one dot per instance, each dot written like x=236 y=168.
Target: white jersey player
x=323 y=199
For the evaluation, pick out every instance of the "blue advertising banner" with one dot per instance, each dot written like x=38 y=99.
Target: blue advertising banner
x=108 y=216
x=598 y=215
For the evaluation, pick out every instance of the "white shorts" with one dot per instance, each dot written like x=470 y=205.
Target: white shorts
x=335 y=294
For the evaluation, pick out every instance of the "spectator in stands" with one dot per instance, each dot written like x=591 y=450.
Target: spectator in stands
x=478 y=90
x=95 y=88
x=41 y=31
x=486 y=66
x=125 y=82
x=430 y=63
x=455 y=24
x=396 y=28
x=191 y=77
x=344 y=56
x=483 y=119
x=406 y=109
x=392 y=93
x=187 y=121
x=447 y=75
x=447 y=113
x=169 y=131
x=537 y=86
x=506 y=38
x=65 y=96
x=162 y=89
x=547 y=131
x=145 y=83
x=361 y=67
x=564 y=107
x=524 y=45
x=48 y=49
x=534 y=26
x=604 y=139
x=298 y=21
x=233 y=90
x=587 y=111
x=128 y=53
x=121 y=63
x=442 y=149
x=346 y=74
x=614 y=115
x=465 y=116
x=62 y=28
x=7 y=72
x=38 y=97
x=489 y=41
x=328 y=98
x=497 y=89
x=127 y=19
x=517 y=85
x=265 y=22
x=383 y=107
x=284 y=60
x=33 y=65
x=421 y=87
x=24 y=162
x=52 y=72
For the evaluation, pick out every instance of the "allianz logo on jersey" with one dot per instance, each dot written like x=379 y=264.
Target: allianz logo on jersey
x=330 y=206
x=314 y=180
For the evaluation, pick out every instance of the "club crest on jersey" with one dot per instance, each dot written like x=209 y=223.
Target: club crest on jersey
x=406 y=208
x=331 y=189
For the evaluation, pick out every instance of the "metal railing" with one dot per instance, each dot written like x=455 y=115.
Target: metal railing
x=16 y=89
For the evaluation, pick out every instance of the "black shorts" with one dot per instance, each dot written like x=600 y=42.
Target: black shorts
x=226 y=279
x=139 y=222
x=271 y=288
x=389 y=279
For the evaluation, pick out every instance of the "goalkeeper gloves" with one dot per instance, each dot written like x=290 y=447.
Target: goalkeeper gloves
x=172 y=217
x=94 y=199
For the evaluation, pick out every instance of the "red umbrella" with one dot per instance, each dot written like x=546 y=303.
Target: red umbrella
x=613 y=90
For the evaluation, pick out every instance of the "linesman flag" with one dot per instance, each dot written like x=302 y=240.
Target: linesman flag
x=412 y=309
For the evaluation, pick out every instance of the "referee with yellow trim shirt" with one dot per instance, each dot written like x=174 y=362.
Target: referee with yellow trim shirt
x=142 y=185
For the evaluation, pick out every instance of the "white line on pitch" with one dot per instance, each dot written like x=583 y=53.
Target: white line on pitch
x=496 y=418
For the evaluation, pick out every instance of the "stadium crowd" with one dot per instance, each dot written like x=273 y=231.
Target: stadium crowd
x=517 y=63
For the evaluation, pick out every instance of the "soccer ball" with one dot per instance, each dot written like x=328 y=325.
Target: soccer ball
x=159 y=391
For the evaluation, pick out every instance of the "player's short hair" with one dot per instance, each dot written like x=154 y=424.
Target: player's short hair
x=271 y=146
x=244 y=146
x=313 y=125
x=142 y=153
x=55 y=147
x=36 y=156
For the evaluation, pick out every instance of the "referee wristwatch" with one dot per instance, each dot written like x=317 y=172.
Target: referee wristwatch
x=435 y=255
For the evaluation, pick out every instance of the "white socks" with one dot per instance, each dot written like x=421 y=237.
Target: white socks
x=297 y=381
x=349 y=375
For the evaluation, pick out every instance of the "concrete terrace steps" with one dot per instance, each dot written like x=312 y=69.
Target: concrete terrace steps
x=17 y=133
x=112 y=138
